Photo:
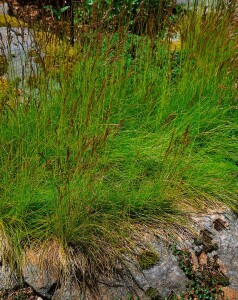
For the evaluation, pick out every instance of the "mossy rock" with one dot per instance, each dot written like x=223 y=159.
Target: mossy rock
x=148 y=259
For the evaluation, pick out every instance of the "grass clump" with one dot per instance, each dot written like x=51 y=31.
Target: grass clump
x=133 y=134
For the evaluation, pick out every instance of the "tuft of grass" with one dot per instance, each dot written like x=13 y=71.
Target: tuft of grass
x=129 y=133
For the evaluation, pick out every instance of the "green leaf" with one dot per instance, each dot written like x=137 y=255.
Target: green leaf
x=63 y=9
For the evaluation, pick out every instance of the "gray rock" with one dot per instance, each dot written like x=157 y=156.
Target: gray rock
x=41 y=269
x=42 y=280
x=15 y=44
x=219 y=238
x=3 y=8
x=116 y=287
x=223 y=230
x=227 y=241
x=158 y=276
x=69 y=290
x=165 y=276
x=8 y=280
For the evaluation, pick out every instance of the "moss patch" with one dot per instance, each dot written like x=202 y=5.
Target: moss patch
x=175 y=45
x=153 y=294
x=6 y=20
x=148 y=259
x=57 y=54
